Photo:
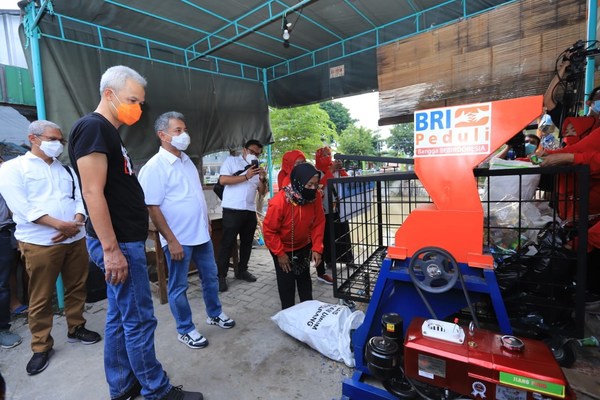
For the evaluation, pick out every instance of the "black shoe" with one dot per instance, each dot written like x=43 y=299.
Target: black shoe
x=84 y=336
x=176 y=393
x=246 y=276
x=38 y=362
x=131 y=393
x=222 y=284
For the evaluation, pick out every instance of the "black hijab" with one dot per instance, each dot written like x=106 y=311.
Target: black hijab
x=300 y=175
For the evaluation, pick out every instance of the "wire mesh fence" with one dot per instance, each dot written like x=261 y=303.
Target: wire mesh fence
x=535 y=226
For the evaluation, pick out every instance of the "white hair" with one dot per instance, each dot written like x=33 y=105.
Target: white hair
x=38 y=127
x=116 y=77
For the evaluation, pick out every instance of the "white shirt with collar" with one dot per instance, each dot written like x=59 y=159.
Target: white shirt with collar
x=239 y=196
x=32 y=189
x=173 y=184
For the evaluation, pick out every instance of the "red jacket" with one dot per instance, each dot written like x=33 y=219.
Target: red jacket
x=308 y=225
x=586 y=151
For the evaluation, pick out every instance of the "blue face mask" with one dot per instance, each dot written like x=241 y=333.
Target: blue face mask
x=596 y=106
x=529 y=148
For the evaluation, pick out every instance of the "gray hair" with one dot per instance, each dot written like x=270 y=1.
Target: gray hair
x=38 y=127
x=115 y=78
x=162 y=122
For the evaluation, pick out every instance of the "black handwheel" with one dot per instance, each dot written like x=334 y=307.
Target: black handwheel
x=433 y=269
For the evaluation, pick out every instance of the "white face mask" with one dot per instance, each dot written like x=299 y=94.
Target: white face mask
x=596 y=106
x=52 y=148
x=250 y=158
x=181 y=142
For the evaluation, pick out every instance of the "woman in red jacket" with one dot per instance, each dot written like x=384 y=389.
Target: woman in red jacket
x=583 y=147
x=293 y=231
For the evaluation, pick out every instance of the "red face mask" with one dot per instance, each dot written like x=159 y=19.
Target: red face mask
x=128 y=114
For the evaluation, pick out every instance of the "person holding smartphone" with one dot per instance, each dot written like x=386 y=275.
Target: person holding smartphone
x=239 y=208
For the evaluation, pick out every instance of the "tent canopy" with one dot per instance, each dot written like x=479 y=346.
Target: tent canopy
x=222 y=63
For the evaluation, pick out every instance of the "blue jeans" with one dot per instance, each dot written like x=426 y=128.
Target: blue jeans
x=204 y=258
x=130 y=323
x=7 y=259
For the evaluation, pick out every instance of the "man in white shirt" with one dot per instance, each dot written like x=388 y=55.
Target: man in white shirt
x=46 y=202
x=239 y=208
x=176 y=204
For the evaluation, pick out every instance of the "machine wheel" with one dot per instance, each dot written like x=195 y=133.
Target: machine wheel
x=434 y=270
x=563 y=351
x=400 y=387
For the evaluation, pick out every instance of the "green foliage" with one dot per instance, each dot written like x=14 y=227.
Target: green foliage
x=402 y=139
x=301 y=128
x=358 y=141
x=339 y=115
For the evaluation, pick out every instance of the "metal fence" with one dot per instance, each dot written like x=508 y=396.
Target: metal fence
x=535 y=231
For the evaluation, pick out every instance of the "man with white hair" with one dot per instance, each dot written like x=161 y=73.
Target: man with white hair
x=116 y=236
x=47 y=208
x=178 y=209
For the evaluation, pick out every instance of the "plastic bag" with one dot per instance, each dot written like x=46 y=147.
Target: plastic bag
x=501 y=187
x=325 y=327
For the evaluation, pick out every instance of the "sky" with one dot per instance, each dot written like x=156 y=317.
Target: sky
x=365 y=108
x=8 y=5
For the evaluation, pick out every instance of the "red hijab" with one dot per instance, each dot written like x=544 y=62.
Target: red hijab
x=323 y=162
x=287 y=164
x=582 y=125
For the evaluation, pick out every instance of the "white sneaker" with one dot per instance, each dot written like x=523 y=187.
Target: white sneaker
x=222 y=320
x=193 y=340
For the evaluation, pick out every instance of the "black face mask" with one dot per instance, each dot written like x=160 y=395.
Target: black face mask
x=309 y=194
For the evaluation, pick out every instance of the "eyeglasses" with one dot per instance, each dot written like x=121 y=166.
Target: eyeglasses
x=52 y=139
x=254 y=153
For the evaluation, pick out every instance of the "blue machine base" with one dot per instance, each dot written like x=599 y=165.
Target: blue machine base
x=356 y=389
x=395 y=292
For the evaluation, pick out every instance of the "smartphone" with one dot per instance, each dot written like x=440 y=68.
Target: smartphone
x=254 y=163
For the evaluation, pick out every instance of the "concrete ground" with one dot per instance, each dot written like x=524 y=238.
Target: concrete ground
x=253 y=361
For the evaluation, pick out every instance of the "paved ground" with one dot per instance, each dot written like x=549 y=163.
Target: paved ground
x=253 y=361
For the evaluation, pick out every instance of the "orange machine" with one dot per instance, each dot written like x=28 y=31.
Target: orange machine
x=449 y=143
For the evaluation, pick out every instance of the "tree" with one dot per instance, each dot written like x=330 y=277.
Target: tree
x=300 y=128
x=402 y=139
x=358 y=141
x=339 y=115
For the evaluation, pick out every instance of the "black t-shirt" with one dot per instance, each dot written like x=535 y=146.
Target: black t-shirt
x=95 y=134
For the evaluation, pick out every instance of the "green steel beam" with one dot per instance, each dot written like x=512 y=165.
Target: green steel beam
x=287 y=66
x=185 y=54
x=240 y=33
x=195 y=29
x=246 y=71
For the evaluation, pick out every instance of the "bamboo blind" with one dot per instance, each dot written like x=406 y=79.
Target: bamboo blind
x=505 y=53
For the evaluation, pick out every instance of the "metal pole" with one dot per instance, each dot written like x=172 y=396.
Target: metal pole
x=269 y=154
x=591 y=37
x=33 y=34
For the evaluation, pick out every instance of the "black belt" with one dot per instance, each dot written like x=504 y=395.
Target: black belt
x=7 y=228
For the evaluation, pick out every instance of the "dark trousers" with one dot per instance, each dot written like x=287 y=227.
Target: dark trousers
x=236 y=222
x=8 y=255
x=343 y=250
x=288 y=281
